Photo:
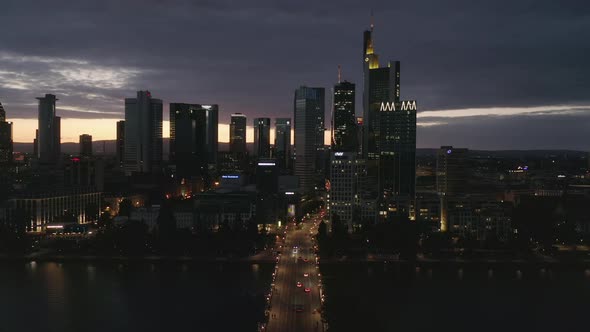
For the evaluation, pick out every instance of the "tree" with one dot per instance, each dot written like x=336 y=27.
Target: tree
x=322 y=230
x=337 y=228
x=91 y=212
x=125 y=207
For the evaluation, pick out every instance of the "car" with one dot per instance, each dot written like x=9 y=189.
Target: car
x=298 y=308
x=305 y=260
x=306 y=274
x=307 y=289
x=299 y=284
x=300 y=257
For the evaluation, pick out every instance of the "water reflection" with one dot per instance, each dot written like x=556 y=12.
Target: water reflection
x=55 y=283
x=255 y=268
x=91 y=269
x=32 y=266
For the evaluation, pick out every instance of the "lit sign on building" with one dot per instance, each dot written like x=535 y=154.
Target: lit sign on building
x=406 y=105
x=266 y=164
x=291 y=210
x=230 y=176
x=339 y=154
x=289 y=193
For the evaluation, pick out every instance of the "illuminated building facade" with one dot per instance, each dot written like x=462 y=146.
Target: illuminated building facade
x=344 y=135
x=40 y=209
x=347 y=172
x=381 y=84
x=389 y=137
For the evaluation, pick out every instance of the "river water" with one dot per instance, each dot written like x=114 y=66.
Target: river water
x=456 y=297
x=174 y=296
x=137 y=296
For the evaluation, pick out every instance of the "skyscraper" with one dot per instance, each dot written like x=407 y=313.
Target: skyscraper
x=86 y=145
x=397 y=147
x=283 y=143
x=344 y=133
x=143 y=134
x=237 y=134
x=381 y=84
x=193 y=138
x=389 y=142
x=346 y=175
x=48 y=138
x=452 y=179
x=5 y=138
x=120 y=144
x=309 y=109
x=262 y=137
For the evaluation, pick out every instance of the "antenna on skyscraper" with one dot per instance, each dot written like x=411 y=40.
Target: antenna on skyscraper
x=339 y=73
x=372 y=20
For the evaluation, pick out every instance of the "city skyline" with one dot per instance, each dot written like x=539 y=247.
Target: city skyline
x=230 y=166
x=456 y=97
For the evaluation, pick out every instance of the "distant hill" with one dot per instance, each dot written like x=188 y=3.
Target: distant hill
x=108 y=146
x=100 y=147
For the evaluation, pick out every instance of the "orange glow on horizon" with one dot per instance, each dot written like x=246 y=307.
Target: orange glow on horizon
x=106 y=129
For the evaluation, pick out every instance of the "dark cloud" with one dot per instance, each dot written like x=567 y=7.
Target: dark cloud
x=249 y=56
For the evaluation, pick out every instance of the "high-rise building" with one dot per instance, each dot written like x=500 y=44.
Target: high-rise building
x=193 y=138
x=262 y=137
x=360 y=130
x=397 y=148
x=266 y=188
x=451 y=171
x=347 y=172
x=143 y=134
x=48 y=138
x=389 y=142
x=309 y=107
x=5 y=138
x=267 y=177
x=381 y=84
x=85 y=145
x=237 y=134
x=120 y=144
x=344 y=133
x=283 y=143
x=452 y=179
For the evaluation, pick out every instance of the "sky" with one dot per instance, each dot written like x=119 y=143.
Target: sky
x=486 y=74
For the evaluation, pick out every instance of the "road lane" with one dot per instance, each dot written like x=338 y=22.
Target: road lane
x=290 y=270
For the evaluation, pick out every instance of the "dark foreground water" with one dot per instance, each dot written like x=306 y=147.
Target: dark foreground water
x=471 y=297
x=76 y=296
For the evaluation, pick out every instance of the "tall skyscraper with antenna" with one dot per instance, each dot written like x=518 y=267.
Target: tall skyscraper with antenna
x=389 y=142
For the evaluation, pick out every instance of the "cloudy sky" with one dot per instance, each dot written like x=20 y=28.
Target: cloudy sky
x=486 y=74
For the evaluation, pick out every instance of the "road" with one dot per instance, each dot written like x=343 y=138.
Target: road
x=291 y=267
